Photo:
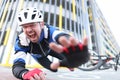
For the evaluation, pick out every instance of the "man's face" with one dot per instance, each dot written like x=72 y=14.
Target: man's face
x=32 y=31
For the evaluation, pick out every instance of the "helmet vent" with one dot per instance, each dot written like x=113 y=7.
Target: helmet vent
x=40 y=16
x=34 y=11
x=20 y=19
x=33 y=16
x=25 y=14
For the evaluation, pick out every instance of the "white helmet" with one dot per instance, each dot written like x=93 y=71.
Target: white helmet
x=29 y=15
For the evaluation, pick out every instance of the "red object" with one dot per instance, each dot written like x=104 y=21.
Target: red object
x=31 y=73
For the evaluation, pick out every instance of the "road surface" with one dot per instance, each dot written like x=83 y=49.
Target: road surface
x=65 y=74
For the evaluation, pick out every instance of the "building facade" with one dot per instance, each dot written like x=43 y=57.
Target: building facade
x=78 y=17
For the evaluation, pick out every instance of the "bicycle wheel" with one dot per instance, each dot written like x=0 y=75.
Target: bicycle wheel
x=115 y=67
x=91 y=66
x=94 y=63
x=116 y=63
x=105 y=66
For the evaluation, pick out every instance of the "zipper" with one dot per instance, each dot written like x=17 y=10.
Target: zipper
x=43 y=52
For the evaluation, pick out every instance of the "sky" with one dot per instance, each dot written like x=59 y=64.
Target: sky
x=111 y=12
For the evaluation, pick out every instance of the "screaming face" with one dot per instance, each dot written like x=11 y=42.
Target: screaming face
x=32 y=31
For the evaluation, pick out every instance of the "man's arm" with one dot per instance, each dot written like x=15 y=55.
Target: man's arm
x=20 y=72
x=21 y=49
x=75 y=52
x=18 y=67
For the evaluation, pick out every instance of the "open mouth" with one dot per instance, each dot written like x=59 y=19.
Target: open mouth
x=32 y=35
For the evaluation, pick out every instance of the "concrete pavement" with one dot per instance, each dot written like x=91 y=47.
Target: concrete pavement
x=6 y=74
x=65 y=74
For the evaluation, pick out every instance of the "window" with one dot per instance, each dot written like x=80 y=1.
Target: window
x=91 y=28
x=46 y=16
x=93 y=39
x=63 y=22
x=51 y=19
x=53 y=2
x=47 y=1
x=73 y=27
x=57 y=20
x=58 y=2
x=68 y=25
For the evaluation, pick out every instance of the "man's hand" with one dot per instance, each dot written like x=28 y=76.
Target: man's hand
x=75 y=53
x=34 y=74
x=66 y=43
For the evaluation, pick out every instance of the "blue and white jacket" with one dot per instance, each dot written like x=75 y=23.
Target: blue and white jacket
x=39 y=50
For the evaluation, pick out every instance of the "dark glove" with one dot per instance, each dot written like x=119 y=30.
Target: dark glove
x=75 y=56
x=31 y=74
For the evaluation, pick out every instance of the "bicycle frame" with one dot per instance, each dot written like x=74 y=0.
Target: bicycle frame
x=100 y=62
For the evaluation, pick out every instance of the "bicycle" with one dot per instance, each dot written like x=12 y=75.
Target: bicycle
x=117 y=61
x=100 y=62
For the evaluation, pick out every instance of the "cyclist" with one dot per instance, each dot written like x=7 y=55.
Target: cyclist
x=40 y=40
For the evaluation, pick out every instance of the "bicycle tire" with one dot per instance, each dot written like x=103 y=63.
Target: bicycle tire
x=105 y=67
x=97 y=66
x=115 y=67
x=117 y=62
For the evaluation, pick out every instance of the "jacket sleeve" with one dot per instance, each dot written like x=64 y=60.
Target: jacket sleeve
x=18 y=68
x=21 y=48
x=55 y=34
